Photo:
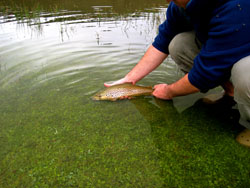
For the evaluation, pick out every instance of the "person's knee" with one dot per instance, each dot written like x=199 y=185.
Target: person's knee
x=183 y=49
x=242 y=90
x=176 y=47
x=241 y=80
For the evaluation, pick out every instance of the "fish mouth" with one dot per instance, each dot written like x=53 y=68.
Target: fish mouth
x=96 y=97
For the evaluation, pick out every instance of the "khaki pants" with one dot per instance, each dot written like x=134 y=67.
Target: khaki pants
x=184 y=48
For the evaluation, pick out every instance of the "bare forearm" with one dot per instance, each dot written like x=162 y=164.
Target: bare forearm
x=151 y=60
x=182 y=87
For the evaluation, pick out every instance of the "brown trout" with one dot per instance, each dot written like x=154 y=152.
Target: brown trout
x=115 y=92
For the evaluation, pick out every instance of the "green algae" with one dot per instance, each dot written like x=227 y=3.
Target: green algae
x=60 y=138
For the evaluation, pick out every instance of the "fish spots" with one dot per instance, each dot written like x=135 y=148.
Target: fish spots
x=123 y=91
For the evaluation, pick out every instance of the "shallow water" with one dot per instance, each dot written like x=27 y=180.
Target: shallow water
x=54 y=56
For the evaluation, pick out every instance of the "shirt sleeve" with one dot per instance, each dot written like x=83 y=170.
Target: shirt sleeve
x=175 y=23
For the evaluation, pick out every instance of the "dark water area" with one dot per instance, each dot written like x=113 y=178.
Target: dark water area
x=55 y=55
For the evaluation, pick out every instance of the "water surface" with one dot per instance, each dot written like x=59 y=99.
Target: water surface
x=54 y=55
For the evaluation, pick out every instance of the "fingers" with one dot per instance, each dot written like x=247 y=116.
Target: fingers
x=125 y=97
x=156 y=86
x=112 y=83
x=107 y=84
x=159 y=86
x=161 y=91
x=121 y=81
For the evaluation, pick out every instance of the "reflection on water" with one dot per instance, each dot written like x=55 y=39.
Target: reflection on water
x=54 y=55
x=51 y=39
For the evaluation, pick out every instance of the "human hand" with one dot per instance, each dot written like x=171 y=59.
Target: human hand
x=162 y=91
x=121 y=81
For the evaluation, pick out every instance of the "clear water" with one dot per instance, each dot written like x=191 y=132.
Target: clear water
x=53 y=57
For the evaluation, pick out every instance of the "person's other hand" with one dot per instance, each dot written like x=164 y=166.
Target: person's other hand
x=162 y=91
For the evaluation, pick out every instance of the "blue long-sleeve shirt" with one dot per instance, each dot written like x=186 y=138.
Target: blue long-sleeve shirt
x=223 y=26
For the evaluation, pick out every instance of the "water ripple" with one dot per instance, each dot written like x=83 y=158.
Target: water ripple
x=67 y=44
